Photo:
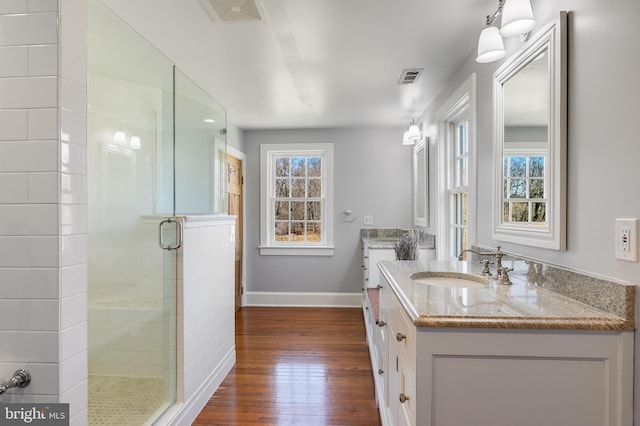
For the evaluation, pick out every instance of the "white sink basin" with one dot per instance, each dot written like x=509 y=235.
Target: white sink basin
x=450 y=279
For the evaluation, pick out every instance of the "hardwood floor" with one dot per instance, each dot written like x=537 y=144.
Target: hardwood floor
x=302 y=366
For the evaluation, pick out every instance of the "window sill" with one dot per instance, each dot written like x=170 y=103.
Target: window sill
x=296 y=250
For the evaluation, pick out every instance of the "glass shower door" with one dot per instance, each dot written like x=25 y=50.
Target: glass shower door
x=132 y=281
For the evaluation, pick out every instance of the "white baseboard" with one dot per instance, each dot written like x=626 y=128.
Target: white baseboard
x=184 y=414
x=303 y=299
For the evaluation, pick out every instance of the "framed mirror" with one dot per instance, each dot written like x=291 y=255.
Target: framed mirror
x=530 y=139
x=420 y=187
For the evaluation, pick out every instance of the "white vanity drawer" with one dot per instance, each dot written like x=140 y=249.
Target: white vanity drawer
x=406 y=338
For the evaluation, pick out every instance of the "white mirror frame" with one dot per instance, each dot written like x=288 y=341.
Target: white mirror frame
x=420 y=183
x=553 y=236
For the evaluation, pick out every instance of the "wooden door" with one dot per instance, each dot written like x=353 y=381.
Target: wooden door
x=234 y=197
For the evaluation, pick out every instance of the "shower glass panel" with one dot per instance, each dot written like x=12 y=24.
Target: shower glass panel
x=201 y=150
x=132 y=282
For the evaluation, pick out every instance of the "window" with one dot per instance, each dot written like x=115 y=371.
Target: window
x=296 y=199
x=456 y=171
x=458 y=186
x=524 y=199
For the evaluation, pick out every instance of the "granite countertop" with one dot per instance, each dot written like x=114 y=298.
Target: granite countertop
x=518 y=306
x=387 y=243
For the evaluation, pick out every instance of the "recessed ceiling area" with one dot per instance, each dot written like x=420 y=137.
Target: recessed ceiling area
x=314 y=63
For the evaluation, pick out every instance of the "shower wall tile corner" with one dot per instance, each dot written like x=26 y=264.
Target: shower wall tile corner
x=43 y=247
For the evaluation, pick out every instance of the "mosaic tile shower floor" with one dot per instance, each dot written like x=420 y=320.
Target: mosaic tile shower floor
x=123 y=401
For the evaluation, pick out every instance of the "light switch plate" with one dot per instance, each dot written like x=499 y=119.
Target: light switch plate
x=626 y=239
x=368 y=220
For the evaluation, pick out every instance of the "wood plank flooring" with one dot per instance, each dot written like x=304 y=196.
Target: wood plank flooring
x=296 y=366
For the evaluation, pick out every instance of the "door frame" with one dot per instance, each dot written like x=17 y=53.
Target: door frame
x=233 y=152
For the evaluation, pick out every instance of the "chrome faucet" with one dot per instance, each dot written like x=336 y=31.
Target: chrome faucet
x=498 y=254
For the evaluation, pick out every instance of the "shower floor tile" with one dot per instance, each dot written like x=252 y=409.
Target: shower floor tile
x=123 y=401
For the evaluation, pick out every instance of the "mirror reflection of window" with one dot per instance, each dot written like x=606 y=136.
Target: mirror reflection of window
x=524 y=195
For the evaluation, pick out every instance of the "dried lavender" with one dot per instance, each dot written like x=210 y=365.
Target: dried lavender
x=406 y=247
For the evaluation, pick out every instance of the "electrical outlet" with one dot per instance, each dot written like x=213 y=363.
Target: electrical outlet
x=368 y=220
x=627 y=239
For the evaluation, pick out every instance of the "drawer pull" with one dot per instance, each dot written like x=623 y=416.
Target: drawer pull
x=378 y=286
x=403 y=398
x=400 y=337
x=381 y=323
x=380 y=371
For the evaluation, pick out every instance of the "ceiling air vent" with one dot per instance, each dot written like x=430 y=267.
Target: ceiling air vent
x=410 y=75
x=234 y=10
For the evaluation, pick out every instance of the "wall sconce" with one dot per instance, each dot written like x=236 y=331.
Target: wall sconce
x=405 y=138
x=412 y=134
x=517 y=18
x=120 y=137
x=135 y=142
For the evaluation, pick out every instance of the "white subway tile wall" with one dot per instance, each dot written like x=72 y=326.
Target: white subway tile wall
x=43 y=234
x=14 y=61
x=13 y=6
x=208 y=305
x=71 y=131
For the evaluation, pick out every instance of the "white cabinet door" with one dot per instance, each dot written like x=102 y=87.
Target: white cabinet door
x=376 y=255
x=524 y=378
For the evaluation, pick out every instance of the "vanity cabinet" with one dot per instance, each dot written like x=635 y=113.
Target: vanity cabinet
x=371 y=257
x=443 y=376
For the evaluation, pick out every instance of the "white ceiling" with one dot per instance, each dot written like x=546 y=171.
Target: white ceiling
x=315 y=63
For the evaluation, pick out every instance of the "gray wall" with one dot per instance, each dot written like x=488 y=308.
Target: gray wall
x=603 y=148
x=235 y=137
x=372 y=173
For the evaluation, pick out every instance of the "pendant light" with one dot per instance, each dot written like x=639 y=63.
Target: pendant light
x=517 y=18
x=414 y=132
x=405 y=138
x=490 y=46
x=135 y=142
x=120 y=137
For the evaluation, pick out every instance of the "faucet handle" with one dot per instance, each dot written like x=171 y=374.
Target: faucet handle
x=503 y=273
x=485 y=269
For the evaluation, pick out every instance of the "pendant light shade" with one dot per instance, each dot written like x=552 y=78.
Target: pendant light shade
x=120 y=137
x=414 y=132
x=135 y=142
x=490 y=45
x=412 y=135
x=517 y=18
x=406 y=140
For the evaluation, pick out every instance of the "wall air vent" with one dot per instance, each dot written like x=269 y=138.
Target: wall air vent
x=234 y=10
x=410 y=75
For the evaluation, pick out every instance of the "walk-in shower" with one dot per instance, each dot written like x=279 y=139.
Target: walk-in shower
x=156 y=148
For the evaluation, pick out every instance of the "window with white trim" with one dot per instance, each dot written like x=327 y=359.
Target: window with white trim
x=459 y=185
x=296 y=199
x=457 y=214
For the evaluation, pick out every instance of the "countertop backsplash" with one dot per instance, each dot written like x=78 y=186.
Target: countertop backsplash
x=427 y=240
x=607 y=294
